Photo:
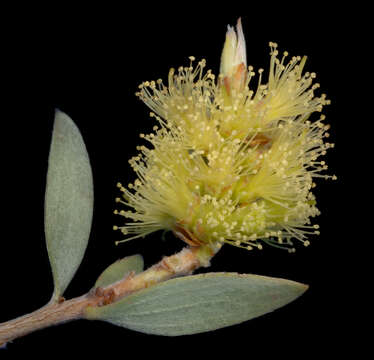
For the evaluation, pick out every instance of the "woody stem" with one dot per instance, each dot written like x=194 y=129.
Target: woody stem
x=56 y=312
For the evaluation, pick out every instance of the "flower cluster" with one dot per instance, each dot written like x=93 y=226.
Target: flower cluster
x=229 y=162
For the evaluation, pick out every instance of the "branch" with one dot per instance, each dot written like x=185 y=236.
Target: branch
x=180 y=264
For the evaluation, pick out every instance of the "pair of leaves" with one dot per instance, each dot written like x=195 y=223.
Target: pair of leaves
x=180 y=306
x=192 y=304
x=198 y=303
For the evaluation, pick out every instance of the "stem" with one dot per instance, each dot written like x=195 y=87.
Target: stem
x=50 y=314
x=182 y=263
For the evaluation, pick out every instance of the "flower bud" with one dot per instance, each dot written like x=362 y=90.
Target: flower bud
x=233 y=59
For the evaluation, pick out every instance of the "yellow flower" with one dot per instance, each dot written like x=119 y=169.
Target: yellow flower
x=228 y=164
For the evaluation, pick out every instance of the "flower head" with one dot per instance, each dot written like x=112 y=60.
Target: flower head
x=228 y=163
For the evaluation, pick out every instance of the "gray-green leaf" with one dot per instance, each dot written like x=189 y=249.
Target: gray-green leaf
x=120 y=269
x=68 y=201
x=199 y=303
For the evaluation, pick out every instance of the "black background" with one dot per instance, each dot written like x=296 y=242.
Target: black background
x=89 y=66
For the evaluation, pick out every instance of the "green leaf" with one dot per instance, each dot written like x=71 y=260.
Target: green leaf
x=198 y=303
x=68 y=201
x=120 y=269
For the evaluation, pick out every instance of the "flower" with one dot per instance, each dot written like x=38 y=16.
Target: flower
x=226 y=163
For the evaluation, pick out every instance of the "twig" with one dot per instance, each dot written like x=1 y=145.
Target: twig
x=60 y=311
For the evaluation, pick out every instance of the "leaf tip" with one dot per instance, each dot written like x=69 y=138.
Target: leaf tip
x=303 y=288
x=61 y=116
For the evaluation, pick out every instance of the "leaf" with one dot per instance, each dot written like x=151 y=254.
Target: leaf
x=198 y=303
x=120 y=269
x=68 y=201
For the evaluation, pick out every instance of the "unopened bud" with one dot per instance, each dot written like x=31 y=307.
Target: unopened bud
x=234 y=60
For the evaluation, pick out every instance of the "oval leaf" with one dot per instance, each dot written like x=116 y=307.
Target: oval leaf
x=120 y=269
x=198 y=303
x=68 y=201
